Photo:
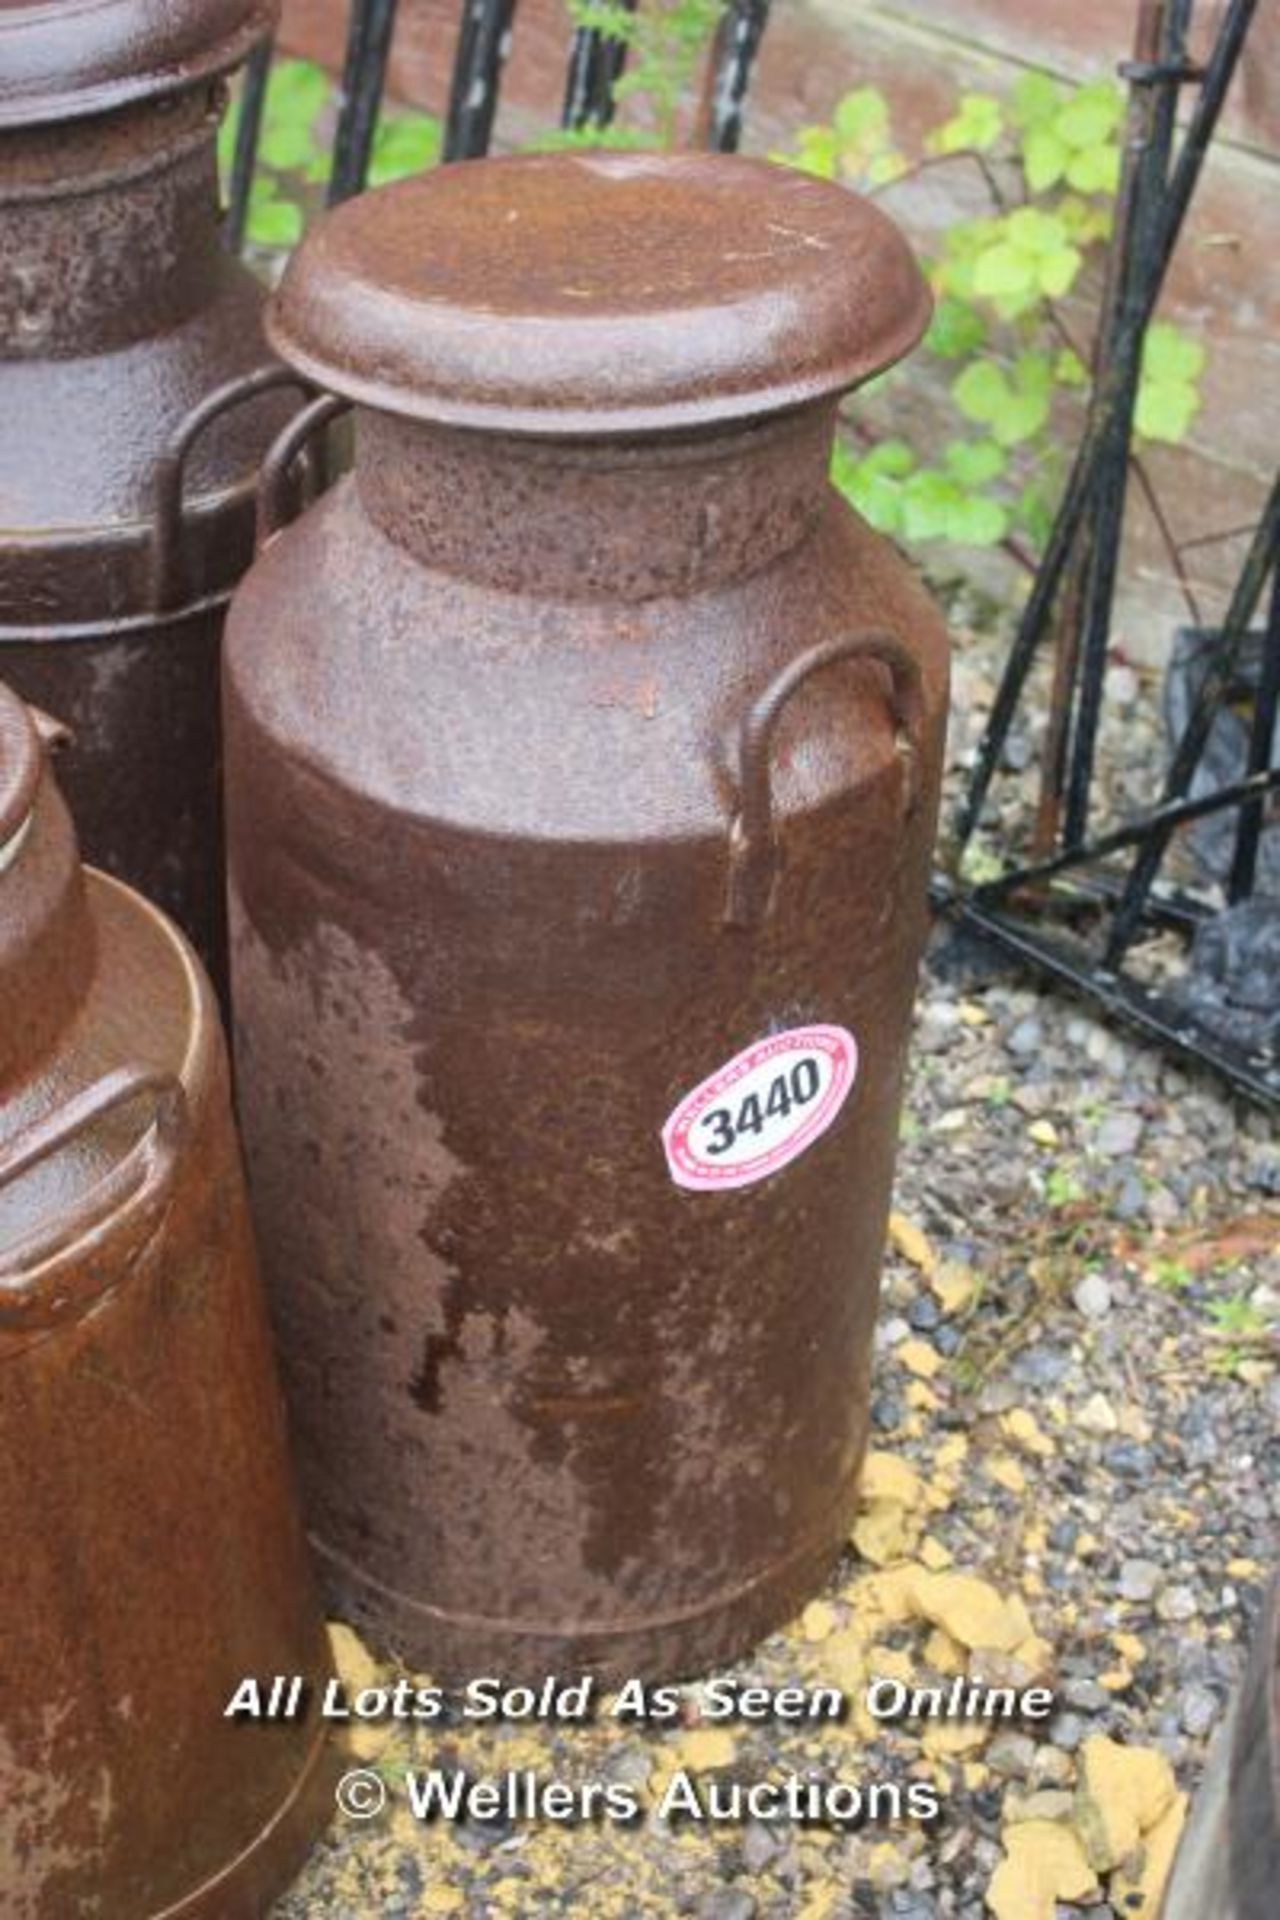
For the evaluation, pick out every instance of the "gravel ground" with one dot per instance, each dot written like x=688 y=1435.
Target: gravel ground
x=1076 y=1426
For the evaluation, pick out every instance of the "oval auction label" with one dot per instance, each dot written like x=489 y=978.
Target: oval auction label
x=761 y=1109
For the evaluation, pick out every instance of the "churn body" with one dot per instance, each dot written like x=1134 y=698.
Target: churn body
x=578 y=741
x=153 y=1557
x=121 y=315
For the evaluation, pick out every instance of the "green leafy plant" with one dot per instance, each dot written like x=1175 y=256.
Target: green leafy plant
x=294 y=153
x=1242 y=1330
x=1050 y=159
x=666 y=42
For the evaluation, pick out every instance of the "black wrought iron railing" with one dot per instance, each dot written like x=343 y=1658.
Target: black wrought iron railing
x=1078 y=903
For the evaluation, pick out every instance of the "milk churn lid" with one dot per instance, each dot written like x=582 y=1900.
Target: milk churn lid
x=66 y=59
x=599 y=293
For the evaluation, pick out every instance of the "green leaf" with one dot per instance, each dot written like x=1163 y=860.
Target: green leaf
x=1033 y=374
x=1035 y=231
x=272 y=222
x=817 y=152
x=862 y=116
x=956 y=330
x=1044 y=158
x=1003 y=269
x=1013 y=410
x=981 y=392
x=408 y=144
x=1035 y=98
x=1069 y=369
x=1095 y=170
x=892 y=457
x=886 y=167
x=978 y=124
x=928 y=500
x=1056 y=272
x=974 y=462
x=1090 y=116
x=977 y=521
x=1171 y=353
x=227 y=141
x=1034 y=513
x=296 y=92
x=1166 y=409
x=873 y=493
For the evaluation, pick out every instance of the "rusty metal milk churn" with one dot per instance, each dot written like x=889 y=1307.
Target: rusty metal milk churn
x=583 y=754
x=152 y=1556
x=126 y=333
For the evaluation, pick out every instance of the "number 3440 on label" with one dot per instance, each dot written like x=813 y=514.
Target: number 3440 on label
x=761 y=1109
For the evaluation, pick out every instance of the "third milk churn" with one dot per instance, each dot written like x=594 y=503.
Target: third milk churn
x=127 y=332
x=152 y=1559
x=583 y=755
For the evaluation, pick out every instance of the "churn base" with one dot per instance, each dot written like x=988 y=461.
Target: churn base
x=245 y=1889
x=455 y=1648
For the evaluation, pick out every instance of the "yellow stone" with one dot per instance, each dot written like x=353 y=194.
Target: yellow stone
x=1043 y=1132
x=918 y=1357
x=1137 y=1891
x=969 y=1610
x=441 y=1900
x=1035 y=1654
x=933 y=1554
x=920 y=1399
x=352 y=1660
x=1025 y=1429
x=953 y=1451
x=1121 y=1794
x=912 y=1242
x=885 y=1477
x=821 y=1904
x=953 y=1286
x=1005 y=1471
x=1044 y=1863
x=886 y=1867
x=944 y=1654
x=881 y=1533
x=890 y=1663
x=843 y=1660
x=1129 y=1647
x=818 y=1621
x=707 y=1747
x=944 y=1739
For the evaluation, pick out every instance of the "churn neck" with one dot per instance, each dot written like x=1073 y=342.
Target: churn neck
x=46 y=932
x=630 y=519
x=609 y=372
x=109 y=226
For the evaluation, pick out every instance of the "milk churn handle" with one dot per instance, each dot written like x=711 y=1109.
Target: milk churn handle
x=752 y=851
x=168 y=572
x=141 y=1183
x=273 y=478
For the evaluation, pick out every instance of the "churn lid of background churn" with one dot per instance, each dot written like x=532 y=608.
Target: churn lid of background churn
x=581 y=293
x=65 y=59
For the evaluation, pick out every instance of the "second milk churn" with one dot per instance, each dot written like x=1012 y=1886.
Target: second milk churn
x=583 y=755
x=131 y=419
x=153 y=1558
